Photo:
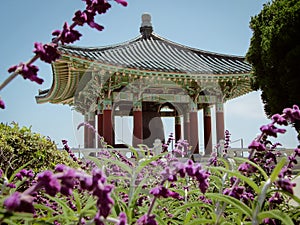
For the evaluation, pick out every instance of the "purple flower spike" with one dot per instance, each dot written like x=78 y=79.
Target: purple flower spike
x=286 y=185
x=87 y=16
x=162 y=191
x=99 y=6
x=2 y=104
x=19 y=202
x=257 y=145
x=279 y=119
x=147 y=220
x=28 y=72
x=50 y=182
x=67 y=35
x=271 y=130
x=47 y=52
x=122 y=219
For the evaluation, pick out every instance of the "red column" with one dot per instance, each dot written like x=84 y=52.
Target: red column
x=207 y=130
x=137 y=128
x=220 y=121
x=177 y=128
x=107 y=122
x=99 y=126
x=194 y=135
x=186 y=126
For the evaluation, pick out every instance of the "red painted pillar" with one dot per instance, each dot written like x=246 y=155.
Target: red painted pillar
x=207 y=130
x=107 y=122
x=137 y=128
x=99 y=125
x=194 y=134
x=186 y=127
x=137 y=122
x=220 y=122
x=177 y=128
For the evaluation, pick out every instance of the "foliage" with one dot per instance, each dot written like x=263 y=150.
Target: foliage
x=21 y=147
x=162 y=189
x=275 y=54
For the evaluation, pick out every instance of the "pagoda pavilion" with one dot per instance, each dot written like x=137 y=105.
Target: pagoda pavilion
x=148 y=77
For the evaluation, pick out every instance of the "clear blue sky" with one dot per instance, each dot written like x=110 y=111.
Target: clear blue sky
x=214 y=25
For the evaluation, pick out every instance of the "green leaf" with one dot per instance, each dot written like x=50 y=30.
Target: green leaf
x=147 y=161
x=160 y=220
x=276 y=214
x=122 y=165
x=250 y=182
x=200 y=221
x=192 y=205
x=277 y=169
x=90 y=204
x=261 y=170
x=77 y=201
x=189 y=216
x=230 y=200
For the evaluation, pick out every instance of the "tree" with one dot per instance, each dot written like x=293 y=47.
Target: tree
x=274 y=53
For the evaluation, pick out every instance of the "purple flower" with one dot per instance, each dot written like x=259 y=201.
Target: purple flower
x=67 y=181
x=271 y=130
x=2 y=104
x=122 y=219
x=202 y=198
x=286 y=185
x=191 y=168
x=236 y=191
x=279 y=119
x=19 y=202
x=269 y=221
x=147 y=220
x=202 y=177
x=162 y=191
x=276 y=198
x=297 y=151
x=99 y=6
x=47 y=52
x=168 y=174
x=49 y=182
x=257 y=145
x=246 y=168
x=28 y=72
x=86 y=16
x=11 y=185
x=13 y=202
x=24 y=173
x=67 y=35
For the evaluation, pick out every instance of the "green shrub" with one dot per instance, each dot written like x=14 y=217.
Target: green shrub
x=20 y=146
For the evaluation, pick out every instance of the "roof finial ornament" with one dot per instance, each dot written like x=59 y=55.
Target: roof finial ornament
x=146 y=27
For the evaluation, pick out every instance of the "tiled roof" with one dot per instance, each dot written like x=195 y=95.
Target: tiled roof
x=155 y=53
